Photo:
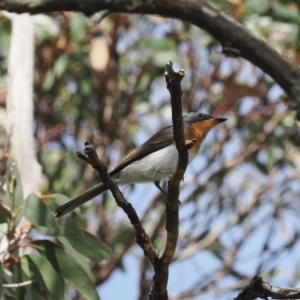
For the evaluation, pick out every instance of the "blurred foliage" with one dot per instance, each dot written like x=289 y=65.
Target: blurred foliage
x=104 y=83
x=37 y=252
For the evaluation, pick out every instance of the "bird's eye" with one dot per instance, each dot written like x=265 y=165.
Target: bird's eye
x=200 y=116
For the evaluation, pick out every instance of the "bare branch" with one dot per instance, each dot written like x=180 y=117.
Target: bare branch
x=262 y=289
x=159 y=287
x=219 y=25
x=173 y=80
x=214 y=234
x=142 y=238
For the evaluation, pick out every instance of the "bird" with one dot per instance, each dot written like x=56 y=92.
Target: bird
x=152 y=161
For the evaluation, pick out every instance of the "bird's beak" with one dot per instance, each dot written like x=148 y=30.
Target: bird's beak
x=220 y=120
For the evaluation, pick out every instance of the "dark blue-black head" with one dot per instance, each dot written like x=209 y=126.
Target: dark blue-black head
x=195 y=117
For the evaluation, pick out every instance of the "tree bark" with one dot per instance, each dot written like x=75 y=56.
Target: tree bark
x=21 y=142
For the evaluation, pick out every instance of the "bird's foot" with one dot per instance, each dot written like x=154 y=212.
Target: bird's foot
x=190 y=143
x=166 y=201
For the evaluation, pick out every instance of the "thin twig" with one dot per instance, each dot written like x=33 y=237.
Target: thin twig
x=13 y=285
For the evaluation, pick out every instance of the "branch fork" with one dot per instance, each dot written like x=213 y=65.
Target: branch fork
x=160 y=262
x=142 y=237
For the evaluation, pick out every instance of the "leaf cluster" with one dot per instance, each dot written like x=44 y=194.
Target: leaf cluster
x=40 y=255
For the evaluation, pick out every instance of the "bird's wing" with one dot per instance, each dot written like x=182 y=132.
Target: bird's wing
x=158 y=141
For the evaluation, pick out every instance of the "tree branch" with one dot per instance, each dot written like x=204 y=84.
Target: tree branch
x=262 y=289
x=224 y=29
x=173 y=80
x=160 y=264
x=159 y=287
x=142 y=237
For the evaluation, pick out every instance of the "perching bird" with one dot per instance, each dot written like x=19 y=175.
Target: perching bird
x=152 y=161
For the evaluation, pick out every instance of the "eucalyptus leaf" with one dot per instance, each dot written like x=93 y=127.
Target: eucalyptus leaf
x=89 y=246
x=256 y=6
x=14 y=192
x=60 y=65
x=37 y=213
x=72 y=251
x=284 y=13
x=49 y=80
x=31 y=294
x=4 y=214
x=46 y=280
x=19 y=276
x=67 y=265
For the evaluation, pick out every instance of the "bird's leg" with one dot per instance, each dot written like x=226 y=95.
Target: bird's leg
x=168 y=180
x=159 y=187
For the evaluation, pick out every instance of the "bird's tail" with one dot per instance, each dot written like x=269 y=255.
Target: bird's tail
x=79 y=200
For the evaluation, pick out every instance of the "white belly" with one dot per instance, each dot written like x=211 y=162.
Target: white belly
x=153 y=167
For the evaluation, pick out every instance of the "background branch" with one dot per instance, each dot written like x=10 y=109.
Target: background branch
x=219 y=25
x=262 y=289
x=114 y=71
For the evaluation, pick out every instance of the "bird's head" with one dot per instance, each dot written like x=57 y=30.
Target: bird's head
x=202 y=123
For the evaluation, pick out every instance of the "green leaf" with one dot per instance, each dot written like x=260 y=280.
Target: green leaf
x=37 y=213
x=283 y=13
x=78 y=256
x=66 y=265
x=77 y=27
x=256 y=6
x=49 y=81
x=56 y=200
x=20 y=276
x=160 y=58
x=3 y=228
x=45 y=27
x=155 y=44
x=60 y=65
x=45 y=280
x=65 y=226
x=4 y=215
x=31 y=294
x=89 y=246
x=25 y=267
x=145 y=82
x=14 y=192
x=18 y=197
x=221 y=5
